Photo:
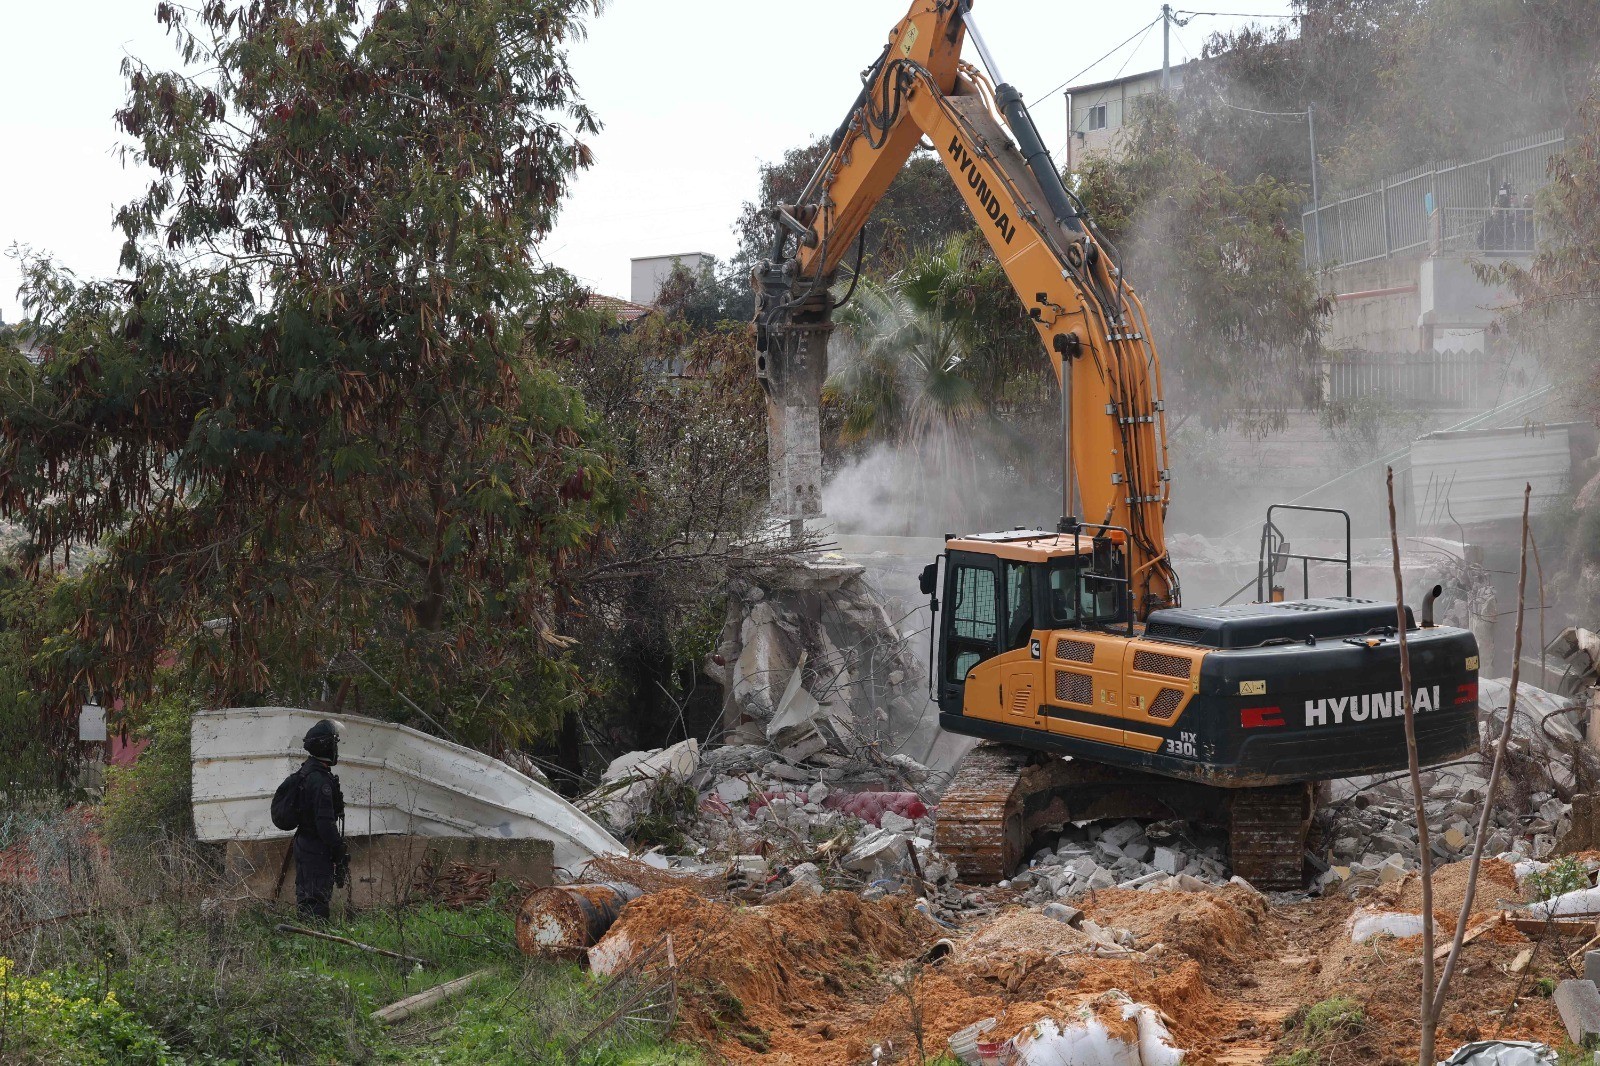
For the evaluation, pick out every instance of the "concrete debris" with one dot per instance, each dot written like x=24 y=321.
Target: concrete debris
x=1369 y=835
x=1578 y=651
x=628 y=783
x=807 y=643
x=1579 y=1006
x=1155 y=856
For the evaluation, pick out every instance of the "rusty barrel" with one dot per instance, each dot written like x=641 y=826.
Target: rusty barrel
x=567 y=920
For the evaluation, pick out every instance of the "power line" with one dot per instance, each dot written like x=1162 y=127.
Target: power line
x=1133 y=52
x=1273 y=114
x=1235 y=14
x=1142 y=29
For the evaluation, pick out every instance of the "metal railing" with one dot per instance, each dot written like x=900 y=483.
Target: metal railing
x=1493 y=230
x=1392 y=218
x=1459 y=380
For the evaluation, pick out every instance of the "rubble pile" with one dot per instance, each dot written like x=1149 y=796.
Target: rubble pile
x=1372 y=836
x=814 y=634
x=1127 y=854
x=816 y=805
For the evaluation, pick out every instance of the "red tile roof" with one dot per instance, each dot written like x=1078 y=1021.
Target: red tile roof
x=624 y=310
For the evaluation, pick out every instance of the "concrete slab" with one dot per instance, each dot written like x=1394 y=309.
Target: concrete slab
x=1579 y=1006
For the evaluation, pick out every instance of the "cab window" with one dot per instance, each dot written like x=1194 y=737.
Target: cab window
x=1019 y=605
x=974 y=619
x=1078 y=596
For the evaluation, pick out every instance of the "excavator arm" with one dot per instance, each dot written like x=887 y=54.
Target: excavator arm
x=1091 y=323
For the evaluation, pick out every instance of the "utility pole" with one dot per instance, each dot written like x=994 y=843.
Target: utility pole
x=1166 y=45
x=1316 y=200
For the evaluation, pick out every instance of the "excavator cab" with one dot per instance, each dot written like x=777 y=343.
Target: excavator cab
x=1003 y=591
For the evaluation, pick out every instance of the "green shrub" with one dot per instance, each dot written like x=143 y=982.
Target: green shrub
x=1333 y=1017
x=246 y=1013
x=1318 y=1025
x=64 y=1016
x=1564 y=875
x=150 y=799
x=673 y=804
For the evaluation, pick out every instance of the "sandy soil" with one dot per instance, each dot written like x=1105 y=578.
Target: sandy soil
x=826 y=980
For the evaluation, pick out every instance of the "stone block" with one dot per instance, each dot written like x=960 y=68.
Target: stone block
x=1061 y=912
x=1121 y=833
x=895 y=823
x=1083 y=867
x=733 y=789
x=1591 y=966
x=1170 y=861
x=1579 y=1006
x=1137 y=849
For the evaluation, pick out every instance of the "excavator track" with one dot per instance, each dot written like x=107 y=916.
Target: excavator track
x=979 y=827
x=1267 y=835
x=1001 y=795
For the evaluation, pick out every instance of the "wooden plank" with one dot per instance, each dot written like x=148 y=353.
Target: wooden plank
x=1472 y=934
x=1566 y=925
x=399 y=1011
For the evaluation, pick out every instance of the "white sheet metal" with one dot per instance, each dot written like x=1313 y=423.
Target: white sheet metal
x=394 y=779
x=1475 y=476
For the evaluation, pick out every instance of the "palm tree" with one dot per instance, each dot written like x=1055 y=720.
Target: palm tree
x=900 y=377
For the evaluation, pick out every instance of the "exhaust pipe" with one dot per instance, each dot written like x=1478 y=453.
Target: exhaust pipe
x=1427 y=605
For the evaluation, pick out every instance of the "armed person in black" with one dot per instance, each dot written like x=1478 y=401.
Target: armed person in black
x=321 y=859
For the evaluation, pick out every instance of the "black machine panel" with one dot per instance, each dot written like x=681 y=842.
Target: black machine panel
x=1250 y=625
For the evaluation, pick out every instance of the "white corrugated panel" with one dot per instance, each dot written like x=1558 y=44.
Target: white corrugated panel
x=394 y=780
x=1477 y=475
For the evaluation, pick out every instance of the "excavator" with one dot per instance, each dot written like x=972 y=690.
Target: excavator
x=1093 y=691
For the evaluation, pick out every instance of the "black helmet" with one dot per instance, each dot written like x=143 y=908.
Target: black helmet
x=322 y=741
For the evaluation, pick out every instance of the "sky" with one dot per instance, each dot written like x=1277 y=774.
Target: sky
x=694 y=95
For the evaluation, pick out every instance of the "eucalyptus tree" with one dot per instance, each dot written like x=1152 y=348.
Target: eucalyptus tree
x=301 y=437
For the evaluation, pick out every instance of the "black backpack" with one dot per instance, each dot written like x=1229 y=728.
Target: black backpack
x=286 y=801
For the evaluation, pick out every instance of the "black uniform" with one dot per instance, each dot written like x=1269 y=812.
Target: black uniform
x=318 y=845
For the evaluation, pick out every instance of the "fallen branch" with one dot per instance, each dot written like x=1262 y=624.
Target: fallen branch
x=399 y=1011
x=347 y=942
x=41 y=923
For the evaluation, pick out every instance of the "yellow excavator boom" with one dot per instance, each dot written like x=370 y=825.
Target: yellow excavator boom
x=1090 y=321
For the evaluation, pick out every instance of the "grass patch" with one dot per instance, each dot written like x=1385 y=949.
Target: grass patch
x=191 y=986
x=1315 y=1028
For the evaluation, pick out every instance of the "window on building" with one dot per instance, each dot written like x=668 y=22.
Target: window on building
x=1097 y=117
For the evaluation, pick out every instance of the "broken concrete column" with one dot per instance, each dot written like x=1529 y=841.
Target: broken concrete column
x=792 y=371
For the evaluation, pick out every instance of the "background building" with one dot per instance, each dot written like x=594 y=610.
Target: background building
x=1097 y=111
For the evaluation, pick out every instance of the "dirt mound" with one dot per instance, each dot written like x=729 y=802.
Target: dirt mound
x=1485 y=1002
x=750 y=978
x=1497 y=888
x=1221 y=925
x=1022 y=932
x=1019 y=992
